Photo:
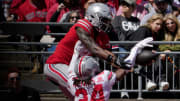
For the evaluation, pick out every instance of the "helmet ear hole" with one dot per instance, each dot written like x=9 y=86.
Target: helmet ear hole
x=92 y=16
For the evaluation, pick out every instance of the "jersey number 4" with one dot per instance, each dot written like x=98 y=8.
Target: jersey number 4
x=97 y=89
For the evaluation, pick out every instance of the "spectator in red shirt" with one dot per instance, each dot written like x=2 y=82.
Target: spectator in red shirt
x=61 y=8
x=17 y=3
x=32 y=11
x=50 y=3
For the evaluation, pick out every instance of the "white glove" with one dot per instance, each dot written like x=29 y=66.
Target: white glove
x=137 y=49
x=144 y=43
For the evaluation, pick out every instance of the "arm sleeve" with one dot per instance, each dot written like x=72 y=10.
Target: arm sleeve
x=54 y=18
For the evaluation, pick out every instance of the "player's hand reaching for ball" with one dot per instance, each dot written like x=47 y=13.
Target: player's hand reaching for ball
x=137 y=49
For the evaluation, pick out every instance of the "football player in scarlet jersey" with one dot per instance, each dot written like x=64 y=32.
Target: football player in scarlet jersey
x=91 y=31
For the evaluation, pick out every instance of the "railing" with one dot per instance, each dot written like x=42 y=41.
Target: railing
x=134 y=86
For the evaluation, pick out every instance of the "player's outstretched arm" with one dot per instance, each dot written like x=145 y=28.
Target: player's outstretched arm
x=120 y=73
x=90 y=43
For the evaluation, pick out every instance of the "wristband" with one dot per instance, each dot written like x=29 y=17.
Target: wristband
x=109 y=58
x=122 y=64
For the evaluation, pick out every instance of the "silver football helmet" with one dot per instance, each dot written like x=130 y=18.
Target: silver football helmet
x=100 y=16
x=86 y=67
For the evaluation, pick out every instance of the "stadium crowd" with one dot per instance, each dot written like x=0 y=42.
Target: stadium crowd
x=132 y=20
x=42 y=10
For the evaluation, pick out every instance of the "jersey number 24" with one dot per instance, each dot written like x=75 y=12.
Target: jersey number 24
x=97 y=89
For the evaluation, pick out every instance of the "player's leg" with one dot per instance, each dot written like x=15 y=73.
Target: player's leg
x=58 y=73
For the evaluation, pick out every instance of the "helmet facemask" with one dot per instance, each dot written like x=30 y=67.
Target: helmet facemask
x=105 y=24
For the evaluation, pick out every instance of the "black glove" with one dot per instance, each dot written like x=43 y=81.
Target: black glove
x=122 y=64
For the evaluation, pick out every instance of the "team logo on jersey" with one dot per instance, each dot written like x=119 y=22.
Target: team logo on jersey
x=39 y=14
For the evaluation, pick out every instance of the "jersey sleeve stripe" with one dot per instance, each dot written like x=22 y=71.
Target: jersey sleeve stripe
x=89 y=26
x=86 y=25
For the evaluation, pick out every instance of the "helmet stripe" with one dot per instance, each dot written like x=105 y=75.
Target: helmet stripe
x=80 y=63
x=110 y=76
